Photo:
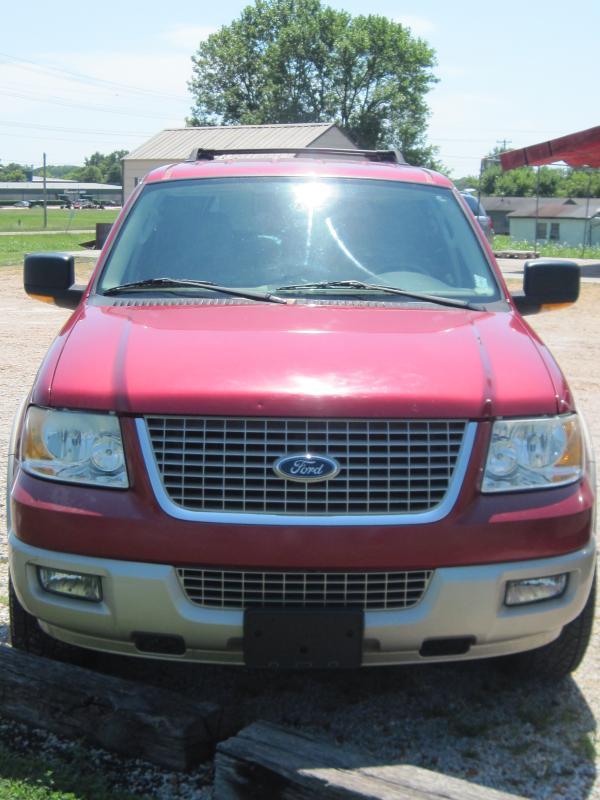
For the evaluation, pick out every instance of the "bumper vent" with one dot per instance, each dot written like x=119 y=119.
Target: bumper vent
x=226 y=464
x=215 y=588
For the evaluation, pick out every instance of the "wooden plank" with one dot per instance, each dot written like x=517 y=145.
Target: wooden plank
x=133 y=719
x=515 y=254
x=266 y=760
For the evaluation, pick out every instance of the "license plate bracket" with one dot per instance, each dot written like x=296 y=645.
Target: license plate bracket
x=290 y=638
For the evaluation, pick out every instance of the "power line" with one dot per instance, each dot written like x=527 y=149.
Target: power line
x=67 y=103
x=448 y=139
x=38 y=66
x=463 y=158
x=151 y=133
x=74 y=130
x=553 y=132
x=45 y=138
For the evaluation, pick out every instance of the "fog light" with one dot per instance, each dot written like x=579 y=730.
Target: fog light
x=533 y=590
x=71 y=584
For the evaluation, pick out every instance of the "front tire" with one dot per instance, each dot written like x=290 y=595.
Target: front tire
x=557 y=660
x=27 y=636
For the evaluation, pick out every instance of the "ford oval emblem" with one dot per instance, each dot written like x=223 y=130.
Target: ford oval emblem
x=306 y=468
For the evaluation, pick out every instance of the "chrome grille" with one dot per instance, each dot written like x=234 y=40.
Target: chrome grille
x=226 y=464
x=368 y=590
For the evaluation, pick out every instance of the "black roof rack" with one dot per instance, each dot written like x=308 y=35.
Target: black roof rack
x=385 y=156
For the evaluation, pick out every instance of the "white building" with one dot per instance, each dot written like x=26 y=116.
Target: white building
x=563 y=222
x=175 y=145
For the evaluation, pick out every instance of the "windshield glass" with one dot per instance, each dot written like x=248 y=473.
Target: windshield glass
x=267 y=232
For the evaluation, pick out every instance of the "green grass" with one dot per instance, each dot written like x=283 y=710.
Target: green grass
x=32 y=219
x=33 y=778
x=586 y=746
x=13 y=248
x=554 y=249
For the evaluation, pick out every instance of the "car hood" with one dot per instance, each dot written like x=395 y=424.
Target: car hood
x=262 y=359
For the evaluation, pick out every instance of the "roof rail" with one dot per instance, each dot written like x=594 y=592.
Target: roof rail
x=386 y=156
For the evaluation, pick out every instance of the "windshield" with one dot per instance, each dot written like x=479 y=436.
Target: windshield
x=268 y=232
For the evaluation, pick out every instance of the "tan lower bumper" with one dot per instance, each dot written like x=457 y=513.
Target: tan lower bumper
x=459 y=602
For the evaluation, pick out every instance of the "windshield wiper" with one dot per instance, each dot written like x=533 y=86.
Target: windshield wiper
x=173 y=283
x=376 y=287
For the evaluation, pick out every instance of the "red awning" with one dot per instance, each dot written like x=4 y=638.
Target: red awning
x=580 y=149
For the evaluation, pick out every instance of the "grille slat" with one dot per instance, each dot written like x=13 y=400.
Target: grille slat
x=247 y=589
x=226 y=464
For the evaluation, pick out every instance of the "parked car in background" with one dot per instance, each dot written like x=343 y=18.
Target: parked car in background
x=22 y=204
x=297 y=420
x=83 y=203
x=480 y=215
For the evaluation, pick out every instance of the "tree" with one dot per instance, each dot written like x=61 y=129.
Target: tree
x=581 y=183
x=516 y=183
x=108 y=165
x=302 y=61
x=90 y=174
x=57 y=170
x=467 y=182
x=527 y=181
x=100 y=168
x=12 y=172
x=489 y=178
x=114 y=174
x=549 y=181
x=523 y=182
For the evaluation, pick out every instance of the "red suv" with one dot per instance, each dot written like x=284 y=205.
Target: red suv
x=297 y=420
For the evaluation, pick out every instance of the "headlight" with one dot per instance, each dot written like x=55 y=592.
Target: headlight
x=74 y=446
x=533 y=454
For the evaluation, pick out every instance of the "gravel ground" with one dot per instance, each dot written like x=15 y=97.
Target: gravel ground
x=466 y=720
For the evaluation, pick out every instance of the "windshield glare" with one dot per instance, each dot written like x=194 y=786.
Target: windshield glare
x=263 y=233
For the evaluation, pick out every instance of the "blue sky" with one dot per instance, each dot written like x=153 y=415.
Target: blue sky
x=76 y=78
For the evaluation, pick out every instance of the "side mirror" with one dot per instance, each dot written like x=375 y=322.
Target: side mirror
x=50 y=277
x=548 y=282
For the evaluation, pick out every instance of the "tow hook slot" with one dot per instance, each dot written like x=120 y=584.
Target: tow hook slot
x=450 y=646
x=159 y=643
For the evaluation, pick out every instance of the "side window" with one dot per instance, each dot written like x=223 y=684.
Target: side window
x=541 y=230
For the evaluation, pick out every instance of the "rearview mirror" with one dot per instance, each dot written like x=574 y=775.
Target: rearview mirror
x=50 y=277
x=548 y=283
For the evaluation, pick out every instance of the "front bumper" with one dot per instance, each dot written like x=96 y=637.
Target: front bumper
x=148 y=598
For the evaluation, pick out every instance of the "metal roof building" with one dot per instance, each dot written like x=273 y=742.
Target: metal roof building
x=583 y=209
x=175 y=144
x=507 y=204
x=12 y=191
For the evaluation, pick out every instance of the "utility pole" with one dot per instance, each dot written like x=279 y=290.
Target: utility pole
x=537 y=207
x=45 y=196
x=483 y=165
x=587 y=225
x=481 y=170
x=504 y=143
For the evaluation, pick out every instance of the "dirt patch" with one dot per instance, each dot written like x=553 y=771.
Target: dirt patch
x=573 y=336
